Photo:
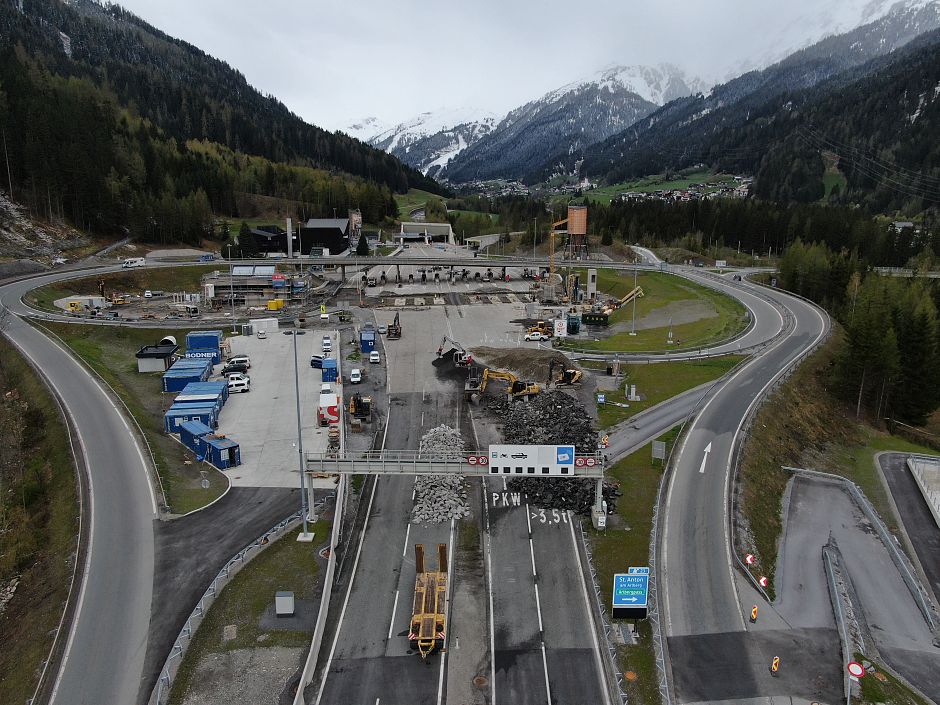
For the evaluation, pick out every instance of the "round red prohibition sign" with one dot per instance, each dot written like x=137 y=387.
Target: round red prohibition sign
x=483 y=460
x=590 y=462
x=472 y=460
x=579 y=462
x=856 y=669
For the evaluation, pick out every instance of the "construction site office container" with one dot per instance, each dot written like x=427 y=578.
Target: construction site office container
x=215 y=385
x=191 y=433
x=214 y=400
x=176 y=416
x=204 y=339
x=213 y=354
x=330 y=372
x=222 y=452
x=176 y=382
x=367 y=341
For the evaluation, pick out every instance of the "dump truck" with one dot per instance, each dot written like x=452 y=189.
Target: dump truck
x=428 y=628
x=394 y=329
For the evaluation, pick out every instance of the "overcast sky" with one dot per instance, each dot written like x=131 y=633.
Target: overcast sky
x=336 y=62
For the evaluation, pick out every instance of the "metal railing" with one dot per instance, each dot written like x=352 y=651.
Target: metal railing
x=161 y=691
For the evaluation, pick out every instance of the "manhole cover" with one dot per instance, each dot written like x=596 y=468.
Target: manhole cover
x=630 y=676
x=480 y=681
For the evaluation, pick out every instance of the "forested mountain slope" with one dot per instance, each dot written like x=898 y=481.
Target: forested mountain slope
x=182 y=90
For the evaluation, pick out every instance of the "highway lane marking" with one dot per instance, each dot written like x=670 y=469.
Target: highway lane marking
x=489 y=588
x=391 y=624
x=352 y=581
x=450 y=570
x=548 y=688
x=708 y=449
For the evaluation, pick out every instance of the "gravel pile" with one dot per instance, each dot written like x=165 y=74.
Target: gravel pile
x=564 y=493
x=552 y=418
x=440 y=498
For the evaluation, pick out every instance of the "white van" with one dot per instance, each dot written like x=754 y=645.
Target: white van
x=239 y=384
x=133 y=262
x=327 y=344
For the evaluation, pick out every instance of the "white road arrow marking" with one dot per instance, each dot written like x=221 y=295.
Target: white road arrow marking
x=708 y=449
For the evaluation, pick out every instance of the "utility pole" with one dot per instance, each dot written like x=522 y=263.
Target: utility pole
x=231 y=285
x=6 y=156
x=305 y=535
x=633 y=330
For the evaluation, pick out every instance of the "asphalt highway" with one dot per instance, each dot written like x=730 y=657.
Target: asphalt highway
x=698 y=588
x=105 y=646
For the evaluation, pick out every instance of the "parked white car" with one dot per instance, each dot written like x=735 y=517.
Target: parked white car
x=536 y=336
x=355 y=376
x=374 y=357
x=239 y=385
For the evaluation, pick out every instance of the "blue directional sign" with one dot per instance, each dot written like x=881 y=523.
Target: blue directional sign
x=564 y=455
x=631 y=593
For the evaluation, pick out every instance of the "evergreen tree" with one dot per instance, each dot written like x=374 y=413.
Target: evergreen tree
x=362 y=247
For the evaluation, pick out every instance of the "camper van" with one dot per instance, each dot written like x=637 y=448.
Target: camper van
x=133 y=262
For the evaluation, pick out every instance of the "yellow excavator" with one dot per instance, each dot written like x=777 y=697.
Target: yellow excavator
x=516 y=388
x=565 y=377
x=543 y=328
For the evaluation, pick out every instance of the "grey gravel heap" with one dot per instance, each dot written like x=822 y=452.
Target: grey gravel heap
x=552 y=418
x=440 y=498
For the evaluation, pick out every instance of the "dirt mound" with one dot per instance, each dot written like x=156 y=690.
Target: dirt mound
x=527 y=363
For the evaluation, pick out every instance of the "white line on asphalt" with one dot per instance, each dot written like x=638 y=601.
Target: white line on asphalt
x=489 y=588
x=391 y=624
x=708 y=449
x=589 y=614
x=404 y=550
x=548 y=688
x=352 y=580
x=532 y=555
x=450 y=570
x=538 y=605
x=528 y=522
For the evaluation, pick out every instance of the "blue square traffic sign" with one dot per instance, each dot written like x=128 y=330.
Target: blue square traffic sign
x=631 y=593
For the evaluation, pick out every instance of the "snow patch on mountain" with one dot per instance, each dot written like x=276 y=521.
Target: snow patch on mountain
x=655 y=84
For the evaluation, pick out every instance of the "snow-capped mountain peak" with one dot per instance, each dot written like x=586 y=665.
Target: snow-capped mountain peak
x=365 y=128
x=656 y=84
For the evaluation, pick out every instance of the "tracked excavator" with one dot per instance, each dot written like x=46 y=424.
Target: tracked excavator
x=460 y=356
x=394 y=329
x=516 y=389
x=564 y=377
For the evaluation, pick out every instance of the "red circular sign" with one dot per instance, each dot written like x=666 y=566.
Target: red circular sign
x=579 y=462
x=856 y=669
x=472 y=460
x=483 y=460
x=590 y=462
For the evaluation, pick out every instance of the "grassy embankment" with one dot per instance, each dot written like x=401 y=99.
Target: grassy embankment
x=132 y=281
x=38 y=522
x=802 y=425
x=724 y=317
x=658 y=382
x=625 y=543
x=881 y=687
x=286 y=565
x=415 y=198
x=109 y=350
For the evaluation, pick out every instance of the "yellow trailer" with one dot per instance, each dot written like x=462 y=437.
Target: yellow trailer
x=428 y=620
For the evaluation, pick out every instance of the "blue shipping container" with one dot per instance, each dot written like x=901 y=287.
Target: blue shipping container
x=213 y=400
x=203 y=387
x=204 y=339
x=330 y=373
x=191 y=433
x=222 y=452
x=212 y=354
x=175 y=416
x=367 y=341
x=177 y=382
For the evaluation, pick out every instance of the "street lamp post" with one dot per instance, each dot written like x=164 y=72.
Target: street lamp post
x=305 y=535
x=231 y=285
x=633 y=330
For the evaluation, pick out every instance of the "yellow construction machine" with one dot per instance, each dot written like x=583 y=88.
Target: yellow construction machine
x=428 y=618
x=516 y=388
x=543 y=328
x=564 y=377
